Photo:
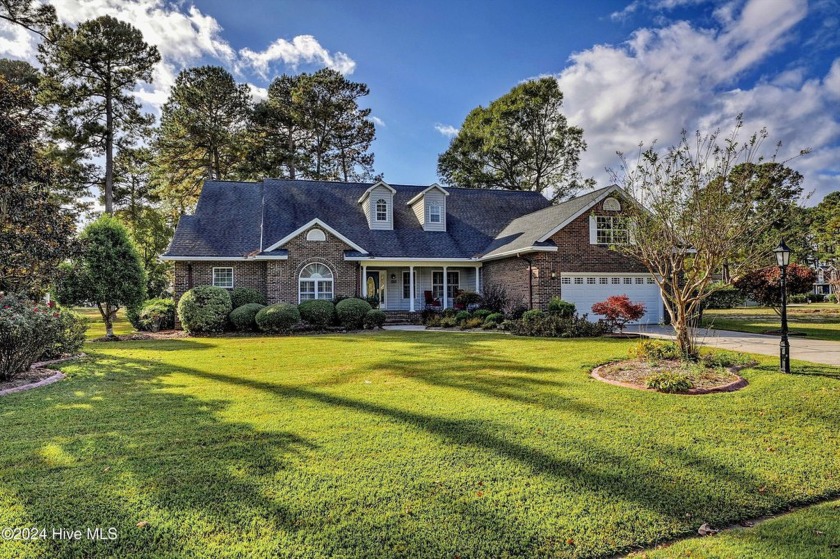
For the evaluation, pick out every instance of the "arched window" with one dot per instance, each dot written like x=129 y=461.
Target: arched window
x=381 y=210
x=316 y=282
x=612 y=205
x=316 y=235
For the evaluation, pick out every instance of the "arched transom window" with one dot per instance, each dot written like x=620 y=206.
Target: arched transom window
x=381 y=210
x=316 y=282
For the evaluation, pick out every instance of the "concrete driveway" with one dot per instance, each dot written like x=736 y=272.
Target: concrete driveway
x=815 y=351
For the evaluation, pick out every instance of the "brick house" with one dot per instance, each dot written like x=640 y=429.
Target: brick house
x=408 y=245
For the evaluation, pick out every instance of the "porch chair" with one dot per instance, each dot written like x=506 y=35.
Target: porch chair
x=432 y=304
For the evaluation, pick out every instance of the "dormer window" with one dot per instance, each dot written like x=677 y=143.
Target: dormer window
x=381 y=210
x=435 y=214
x=429 y=206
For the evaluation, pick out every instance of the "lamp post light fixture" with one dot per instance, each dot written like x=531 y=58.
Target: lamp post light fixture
x=782 y=253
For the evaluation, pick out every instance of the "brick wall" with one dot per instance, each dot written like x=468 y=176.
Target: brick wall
x=510 y=273
x=245 y=274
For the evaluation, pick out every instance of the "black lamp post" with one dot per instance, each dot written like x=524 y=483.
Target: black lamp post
x=783 y=259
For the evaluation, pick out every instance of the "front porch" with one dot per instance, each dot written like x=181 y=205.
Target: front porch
x=405 y=286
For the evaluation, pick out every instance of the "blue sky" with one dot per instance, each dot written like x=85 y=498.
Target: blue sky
x=631 y=70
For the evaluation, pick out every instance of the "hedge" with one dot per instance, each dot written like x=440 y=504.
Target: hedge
x=375 y=319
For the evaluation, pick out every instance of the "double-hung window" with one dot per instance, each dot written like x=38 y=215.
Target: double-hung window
x=406 y=293
x=453 y=284
x=435 y=213
x=611 y=230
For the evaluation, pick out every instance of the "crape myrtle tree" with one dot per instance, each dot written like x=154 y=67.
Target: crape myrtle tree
x=36 y=232
x=697 y=214
x=89 y=74
x=108 y=273
x=521 y=141
x=202 y=134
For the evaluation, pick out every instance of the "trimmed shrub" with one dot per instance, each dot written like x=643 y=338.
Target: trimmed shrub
x=204 y=309
x=245 y=295
x=532 y=315
x=244 y=317
x=339 y=298
x=670 y=382
x=69 y=336
x=462 y=315
x=448 y=322
x=449 y=312
x=815 y=297
x=468 y=298
x=496 y=318
x=554 y=326
x=279 y=317
x=727 y=297
x=482 y=313
x=156 y=314
x=27 y=329
x=132 y=313
x=654 y=350
x=560 y=307
x=471 y=323
x=798 y=299
x=351 y=313
x=374 y=319
x=318 y=313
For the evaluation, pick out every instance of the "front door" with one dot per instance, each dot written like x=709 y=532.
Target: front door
x=376 y=285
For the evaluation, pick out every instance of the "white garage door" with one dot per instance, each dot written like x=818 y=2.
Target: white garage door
x=584 y=290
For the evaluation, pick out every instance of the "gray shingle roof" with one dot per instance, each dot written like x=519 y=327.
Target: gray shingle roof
x=227 y=219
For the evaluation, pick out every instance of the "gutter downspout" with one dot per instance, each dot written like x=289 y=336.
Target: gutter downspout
x=530 y=281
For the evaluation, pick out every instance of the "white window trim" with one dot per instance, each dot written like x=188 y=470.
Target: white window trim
x=406 y=276
x=231 y=277
x=376 y=210
x=594 y=230
x=449 y=284
x=439 y=213
x=316 y=235
x=301 y=279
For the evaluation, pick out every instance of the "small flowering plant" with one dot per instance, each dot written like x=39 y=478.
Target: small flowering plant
x=26 y=330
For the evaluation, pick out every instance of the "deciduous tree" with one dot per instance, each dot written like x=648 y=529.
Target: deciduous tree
x=89 y=73
x=764 y=285
x=521 y=141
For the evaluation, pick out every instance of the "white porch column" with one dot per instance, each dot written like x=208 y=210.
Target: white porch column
x=364 y=280
x=411 y=288
x=477 y=283
x=445 y=289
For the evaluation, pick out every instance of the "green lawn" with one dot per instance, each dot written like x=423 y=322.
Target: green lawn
x=397 y=444
x=818 y=321
x=811 y=533
x=96 y=329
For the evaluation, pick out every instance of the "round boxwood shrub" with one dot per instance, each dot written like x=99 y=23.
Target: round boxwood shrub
x=482 y=314
x=462 y=315
x=374 y=319
x=494 y=318
x=244 y=318
x=561 y=308
x=532 y=315
x=351 y=313
x=204 y=309
x=318 y=313
x=279 y=317
x=244 y=295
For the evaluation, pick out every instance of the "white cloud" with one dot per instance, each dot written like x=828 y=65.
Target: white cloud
x=376 y=120
x=447 y=130
x=301 y=49
x=680 y=76
x=652 y=5
x=16 y=42
x=258 y=93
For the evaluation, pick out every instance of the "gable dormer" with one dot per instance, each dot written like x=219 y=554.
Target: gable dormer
x=430 y=208
x=378 y=204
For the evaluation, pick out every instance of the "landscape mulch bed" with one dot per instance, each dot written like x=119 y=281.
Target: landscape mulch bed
x=633 y=374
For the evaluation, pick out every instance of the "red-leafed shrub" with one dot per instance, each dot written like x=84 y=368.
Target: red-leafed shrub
x=764 y=286
x=618 y=310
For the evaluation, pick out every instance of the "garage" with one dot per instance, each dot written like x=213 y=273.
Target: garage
x=586 y=289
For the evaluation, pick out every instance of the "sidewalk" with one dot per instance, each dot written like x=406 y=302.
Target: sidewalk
x=815 y=351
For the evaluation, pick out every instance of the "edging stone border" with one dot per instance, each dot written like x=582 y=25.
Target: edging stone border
x=731 y=387
x=43 y=382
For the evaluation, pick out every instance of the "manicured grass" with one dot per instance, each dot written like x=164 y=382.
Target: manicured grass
x=397 y=444
x=812 y=533
x=819 y=321
x=96 y=328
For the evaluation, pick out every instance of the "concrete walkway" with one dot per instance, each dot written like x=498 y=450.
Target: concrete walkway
x=815 y=351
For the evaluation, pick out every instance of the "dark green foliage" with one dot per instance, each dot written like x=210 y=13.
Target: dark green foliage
x=833 y=298
x=462 y=315
x=318 y=313
x=727 y=297
x=495 y=297
x=351 y=313
x=374 y=319
x=155 y=314
x=204 y=309
x=514 y=311
x=560 y=307
x=716 y=359
x=671 y=382
x=373 y=301
x=555 y=326
x=449 y=312
x=467 y=298
x=280 y=317
x=27 y=329
x=108 y=273
x=90 y=73
x=243 y=295
x=69 y=336
x=655 y=350
x=521 y=141
x=532 y=315
x=496 y=318
x=244 y=317
x=482 y=313
x=448 y=322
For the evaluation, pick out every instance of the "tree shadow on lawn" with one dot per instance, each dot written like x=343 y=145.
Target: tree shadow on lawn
x=127 y=452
